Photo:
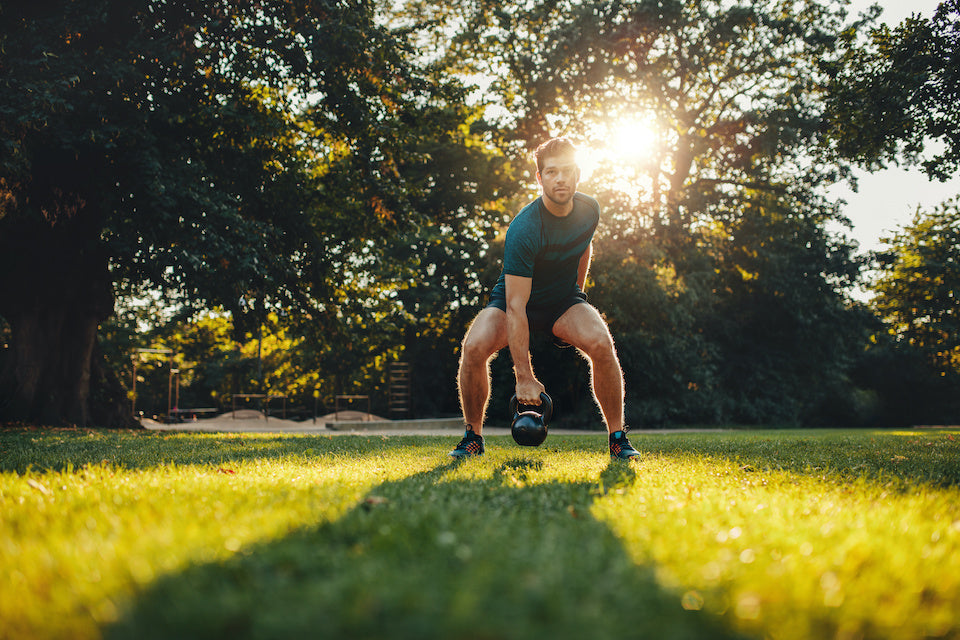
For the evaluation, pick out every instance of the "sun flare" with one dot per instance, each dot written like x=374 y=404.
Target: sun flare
x=622 y=153
x=631 y=140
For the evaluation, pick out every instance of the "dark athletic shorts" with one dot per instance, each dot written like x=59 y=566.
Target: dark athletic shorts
x=542 y=320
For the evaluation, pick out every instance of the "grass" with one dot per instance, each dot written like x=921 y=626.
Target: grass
x=787 y=534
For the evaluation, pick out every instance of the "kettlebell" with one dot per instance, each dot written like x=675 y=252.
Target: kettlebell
x=529 y=427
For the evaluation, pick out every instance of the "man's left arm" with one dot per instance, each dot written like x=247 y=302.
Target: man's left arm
x=584 y=267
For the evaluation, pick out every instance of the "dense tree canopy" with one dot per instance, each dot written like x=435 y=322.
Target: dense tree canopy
x=894 y=99
x=253 y=155
x=301 y=191
x=918 y=288
x=716 y=229
x=911 y=362
x=891 y=98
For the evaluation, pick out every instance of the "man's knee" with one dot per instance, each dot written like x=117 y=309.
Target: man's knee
x=482 y=340
x=474 y=349
x=585 y=329
x=598 y=344
x=593 y=337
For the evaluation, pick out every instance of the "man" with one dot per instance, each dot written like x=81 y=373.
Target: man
x=546 y=259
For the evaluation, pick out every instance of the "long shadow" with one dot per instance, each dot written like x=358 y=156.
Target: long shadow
x=438 y=554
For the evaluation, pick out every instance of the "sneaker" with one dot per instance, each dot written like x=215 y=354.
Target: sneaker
x=620 y=446
x=470 y=445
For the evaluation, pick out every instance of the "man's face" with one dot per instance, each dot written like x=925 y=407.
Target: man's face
x=558 y=178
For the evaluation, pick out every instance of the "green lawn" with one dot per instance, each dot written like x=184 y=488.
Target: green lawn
x=780 y=534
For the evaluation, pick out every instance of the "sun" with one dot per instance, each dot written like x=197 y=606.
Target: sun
x=631 y=140
x=622 y=152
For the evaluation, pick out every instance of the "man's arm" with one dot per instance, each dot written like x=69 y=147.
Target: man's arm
x=584 y=268
x=528 y=388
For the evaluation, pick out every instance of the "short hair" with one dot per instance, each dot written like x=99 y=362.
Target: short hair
x=554 y=147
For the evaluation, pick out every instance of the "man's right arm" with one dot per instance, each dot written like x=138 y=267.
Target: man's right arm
x=528 y=388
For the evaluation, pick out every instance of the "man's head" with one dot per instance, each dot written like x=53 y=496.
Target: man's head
x=552 y=148
x=557 y=171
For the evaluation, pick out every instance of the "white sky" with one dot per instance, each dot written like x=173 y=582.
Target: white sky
x=888 y=199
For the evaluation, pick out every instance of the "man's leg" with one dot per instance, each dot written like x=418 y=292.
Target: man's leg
x=486 y=336
x=582 y=326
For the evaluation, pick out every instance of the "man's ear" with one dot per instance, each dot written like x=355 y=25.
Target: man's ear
x=539 y=179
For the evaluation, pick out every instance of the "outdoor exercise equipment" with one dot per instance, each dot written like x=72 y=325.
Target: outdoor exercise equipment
x=529 y=427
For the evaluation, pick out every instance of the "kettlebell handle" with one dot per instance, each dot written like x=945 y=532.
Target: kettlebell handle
x=545 y=409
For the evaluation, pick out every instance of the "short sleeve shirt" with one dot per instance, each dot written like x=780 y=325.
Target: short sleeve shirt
x=548 y=248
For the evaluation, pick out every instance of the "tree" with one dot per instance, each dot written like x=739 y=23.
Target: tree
x=786 y=340
x=893 y=98
x=917 y=292
x=913 y=359
x=895 y=94
x=718 y=229
x=245 y=154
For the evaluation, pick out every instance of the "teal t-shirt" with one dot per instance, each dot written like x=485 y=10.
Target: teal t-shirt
x=547 y=248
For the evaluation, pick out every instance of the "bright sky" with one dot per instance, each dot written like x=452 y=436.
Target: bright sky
x=888 y=199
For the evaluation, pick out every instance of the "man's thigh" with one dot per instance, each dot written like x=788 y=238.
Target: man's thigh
x=488 y=331
x=582 y=326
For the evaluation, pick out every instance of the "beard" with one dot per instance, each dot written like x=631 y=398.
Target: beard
x=562 y=199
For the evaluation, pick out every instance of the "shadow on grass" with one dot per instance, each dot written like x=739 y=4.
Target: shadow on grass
x=448 y=553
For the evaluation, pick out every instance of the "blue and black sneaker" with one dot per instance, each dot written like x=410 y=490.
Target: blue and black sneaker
x=470 y=445
x=620 y=446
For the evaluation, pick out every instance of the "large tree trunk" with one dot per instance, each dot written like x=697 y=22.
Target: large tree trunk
x=55 y=289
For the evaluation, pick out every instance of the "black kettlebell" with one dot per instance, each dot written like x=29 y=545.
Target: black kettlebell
x=529 y=427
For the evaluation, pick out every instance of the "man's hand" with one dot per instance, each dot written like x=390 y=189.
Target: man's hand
x=528 y=392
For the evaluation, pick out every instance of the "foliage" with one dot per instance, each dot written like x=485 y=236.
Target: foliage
x=185 y=187
x=917 y=291
x=788 y=339
x=331 y=180
x=894 y=97
x=726 y=294
x=786 y=534
x=915 y=294
x=903 y=387
x=254 y=156
x=420 y=288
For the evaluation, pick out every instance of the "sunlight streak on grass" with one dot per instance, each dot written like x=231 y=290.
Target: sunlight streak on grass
x=793 y=554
